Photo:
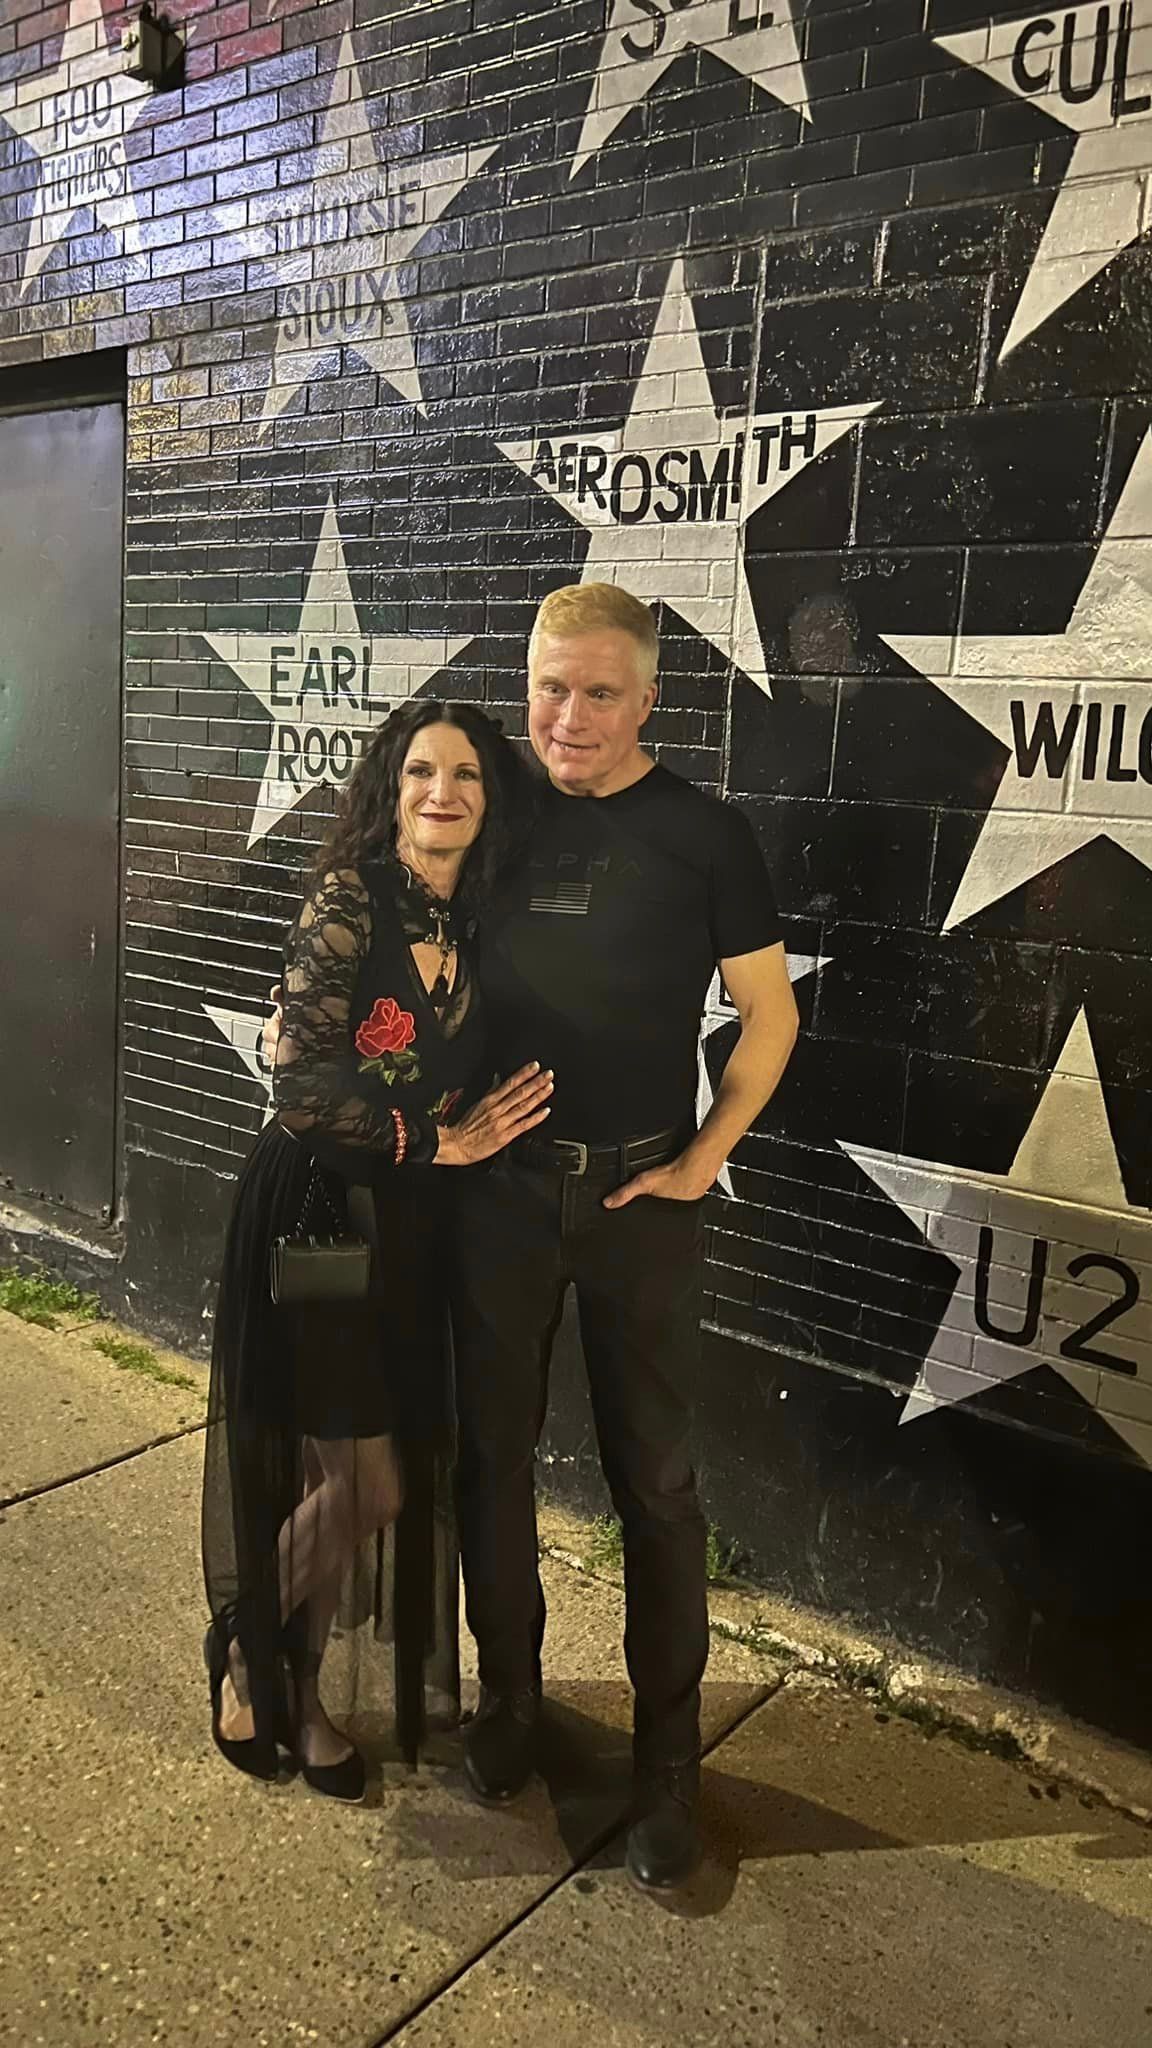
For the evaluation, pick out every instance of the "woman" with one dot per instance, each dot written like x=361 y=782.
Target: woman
x=330 y=1422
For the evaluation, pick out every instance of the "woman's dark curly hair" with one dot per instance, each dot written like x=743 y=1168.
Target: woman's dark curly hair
x=363 y=826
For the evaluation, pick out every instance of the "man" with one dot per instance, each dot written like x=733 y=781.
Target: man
x=596 y=962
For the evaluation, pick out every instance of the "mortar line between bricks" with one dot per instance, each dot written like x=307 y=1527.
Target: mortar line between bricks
x=599 y=1841
x=155 y=1443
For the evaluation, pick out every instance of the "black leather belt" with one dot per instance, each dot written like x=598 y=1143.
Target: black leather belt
x=570 y=1156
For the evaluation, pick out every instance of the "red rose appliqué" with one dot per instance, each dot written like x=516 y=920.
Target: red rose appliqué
x=384 y=1039
x=387 y=1029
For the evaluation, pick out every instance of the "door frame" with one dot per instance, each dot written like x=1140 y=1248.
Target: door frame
x=99 y=377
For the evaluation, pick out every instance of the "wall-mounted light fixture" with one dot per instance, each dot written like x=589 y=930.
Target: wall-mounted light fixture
x=152 y=49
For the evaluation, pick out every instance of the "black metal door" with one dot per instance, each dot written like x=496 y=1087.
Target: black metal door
x=61 y=526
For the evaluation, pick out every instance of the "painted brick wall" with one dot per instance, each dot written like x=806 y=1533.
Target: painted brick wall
x=825 y=327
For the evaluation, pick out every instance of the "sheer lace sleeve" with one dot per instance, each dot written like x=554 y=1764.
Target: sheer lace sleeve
x=317 y=1088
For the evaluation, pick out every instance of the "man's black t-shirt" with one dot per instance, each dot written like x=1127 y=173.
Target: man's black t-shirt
x=597 y=957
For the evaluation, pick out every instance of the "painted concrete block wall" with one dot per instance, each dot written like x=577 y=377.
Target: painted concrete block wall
x=825 y=328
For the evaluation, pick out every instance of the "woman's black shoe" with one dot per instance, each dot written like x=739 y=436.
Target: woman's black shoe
x=663 y=1843
x=500 y=1744
x=346 y=1780
x=256 y=1757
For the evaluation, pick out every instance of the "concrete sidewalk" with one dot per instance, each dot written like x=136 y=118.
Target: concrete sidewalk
x=866 y=1887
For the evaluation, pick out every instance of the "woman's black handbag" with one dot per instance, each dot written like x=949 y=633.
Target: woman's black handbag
x=333 y=1266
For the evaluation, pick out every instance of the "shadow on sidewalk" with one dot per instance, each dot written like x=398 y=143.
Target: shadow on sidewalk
x=576 y=1810
x=580 y=1797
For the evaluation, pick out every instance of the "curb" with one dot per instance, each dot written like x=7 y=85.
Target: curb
x=804 y=1647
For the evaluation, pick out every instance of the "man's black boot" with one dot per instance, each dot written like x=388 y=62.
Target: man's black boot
x=663 y=1841
x=500 y=1743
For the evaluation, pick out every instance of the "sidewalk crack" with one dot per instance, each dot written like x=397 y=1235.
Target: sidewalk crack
x=587 y=1855
x=154 y=1443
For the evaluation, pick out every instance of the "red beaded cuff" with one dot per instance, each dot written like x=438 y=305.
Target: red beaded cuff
x=401 y=1137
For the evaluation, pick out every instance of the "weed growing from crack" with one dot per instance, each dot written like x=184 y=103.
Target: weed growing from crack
x=933 y=1720
x=38 y=1298
x=131 y=1356
x=724 y=1559
x=872 y=1679
x=605 y=1551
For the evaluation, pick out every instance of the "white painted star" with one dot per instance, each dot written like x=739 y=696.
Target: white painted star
x=340 y=245
x=720 y=1010
x=75 y=118
x=326 y=685
x=242 y=1031
x=1090 y=68
x=667 y=498
x=645 y=36
x=1043 y=1279
x=1074 y=710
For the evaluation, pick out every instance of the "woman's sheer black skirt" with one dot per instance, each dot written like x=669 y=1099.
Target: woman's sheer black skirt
x=360 y=1371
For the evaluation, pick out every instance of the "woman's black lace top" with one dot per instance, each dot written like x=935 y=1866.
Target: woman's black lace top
x=349 y=974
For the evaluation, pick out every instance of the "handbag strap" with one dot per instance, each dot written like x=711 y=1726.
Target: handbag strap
x=316 y=1186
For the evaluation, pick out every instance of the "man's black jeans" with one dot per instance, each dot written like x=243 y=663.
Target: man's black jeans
x=523 y=1235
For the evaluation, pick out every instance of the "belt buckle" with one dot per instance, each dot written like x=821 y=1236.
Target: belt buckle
x=579 y=1148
